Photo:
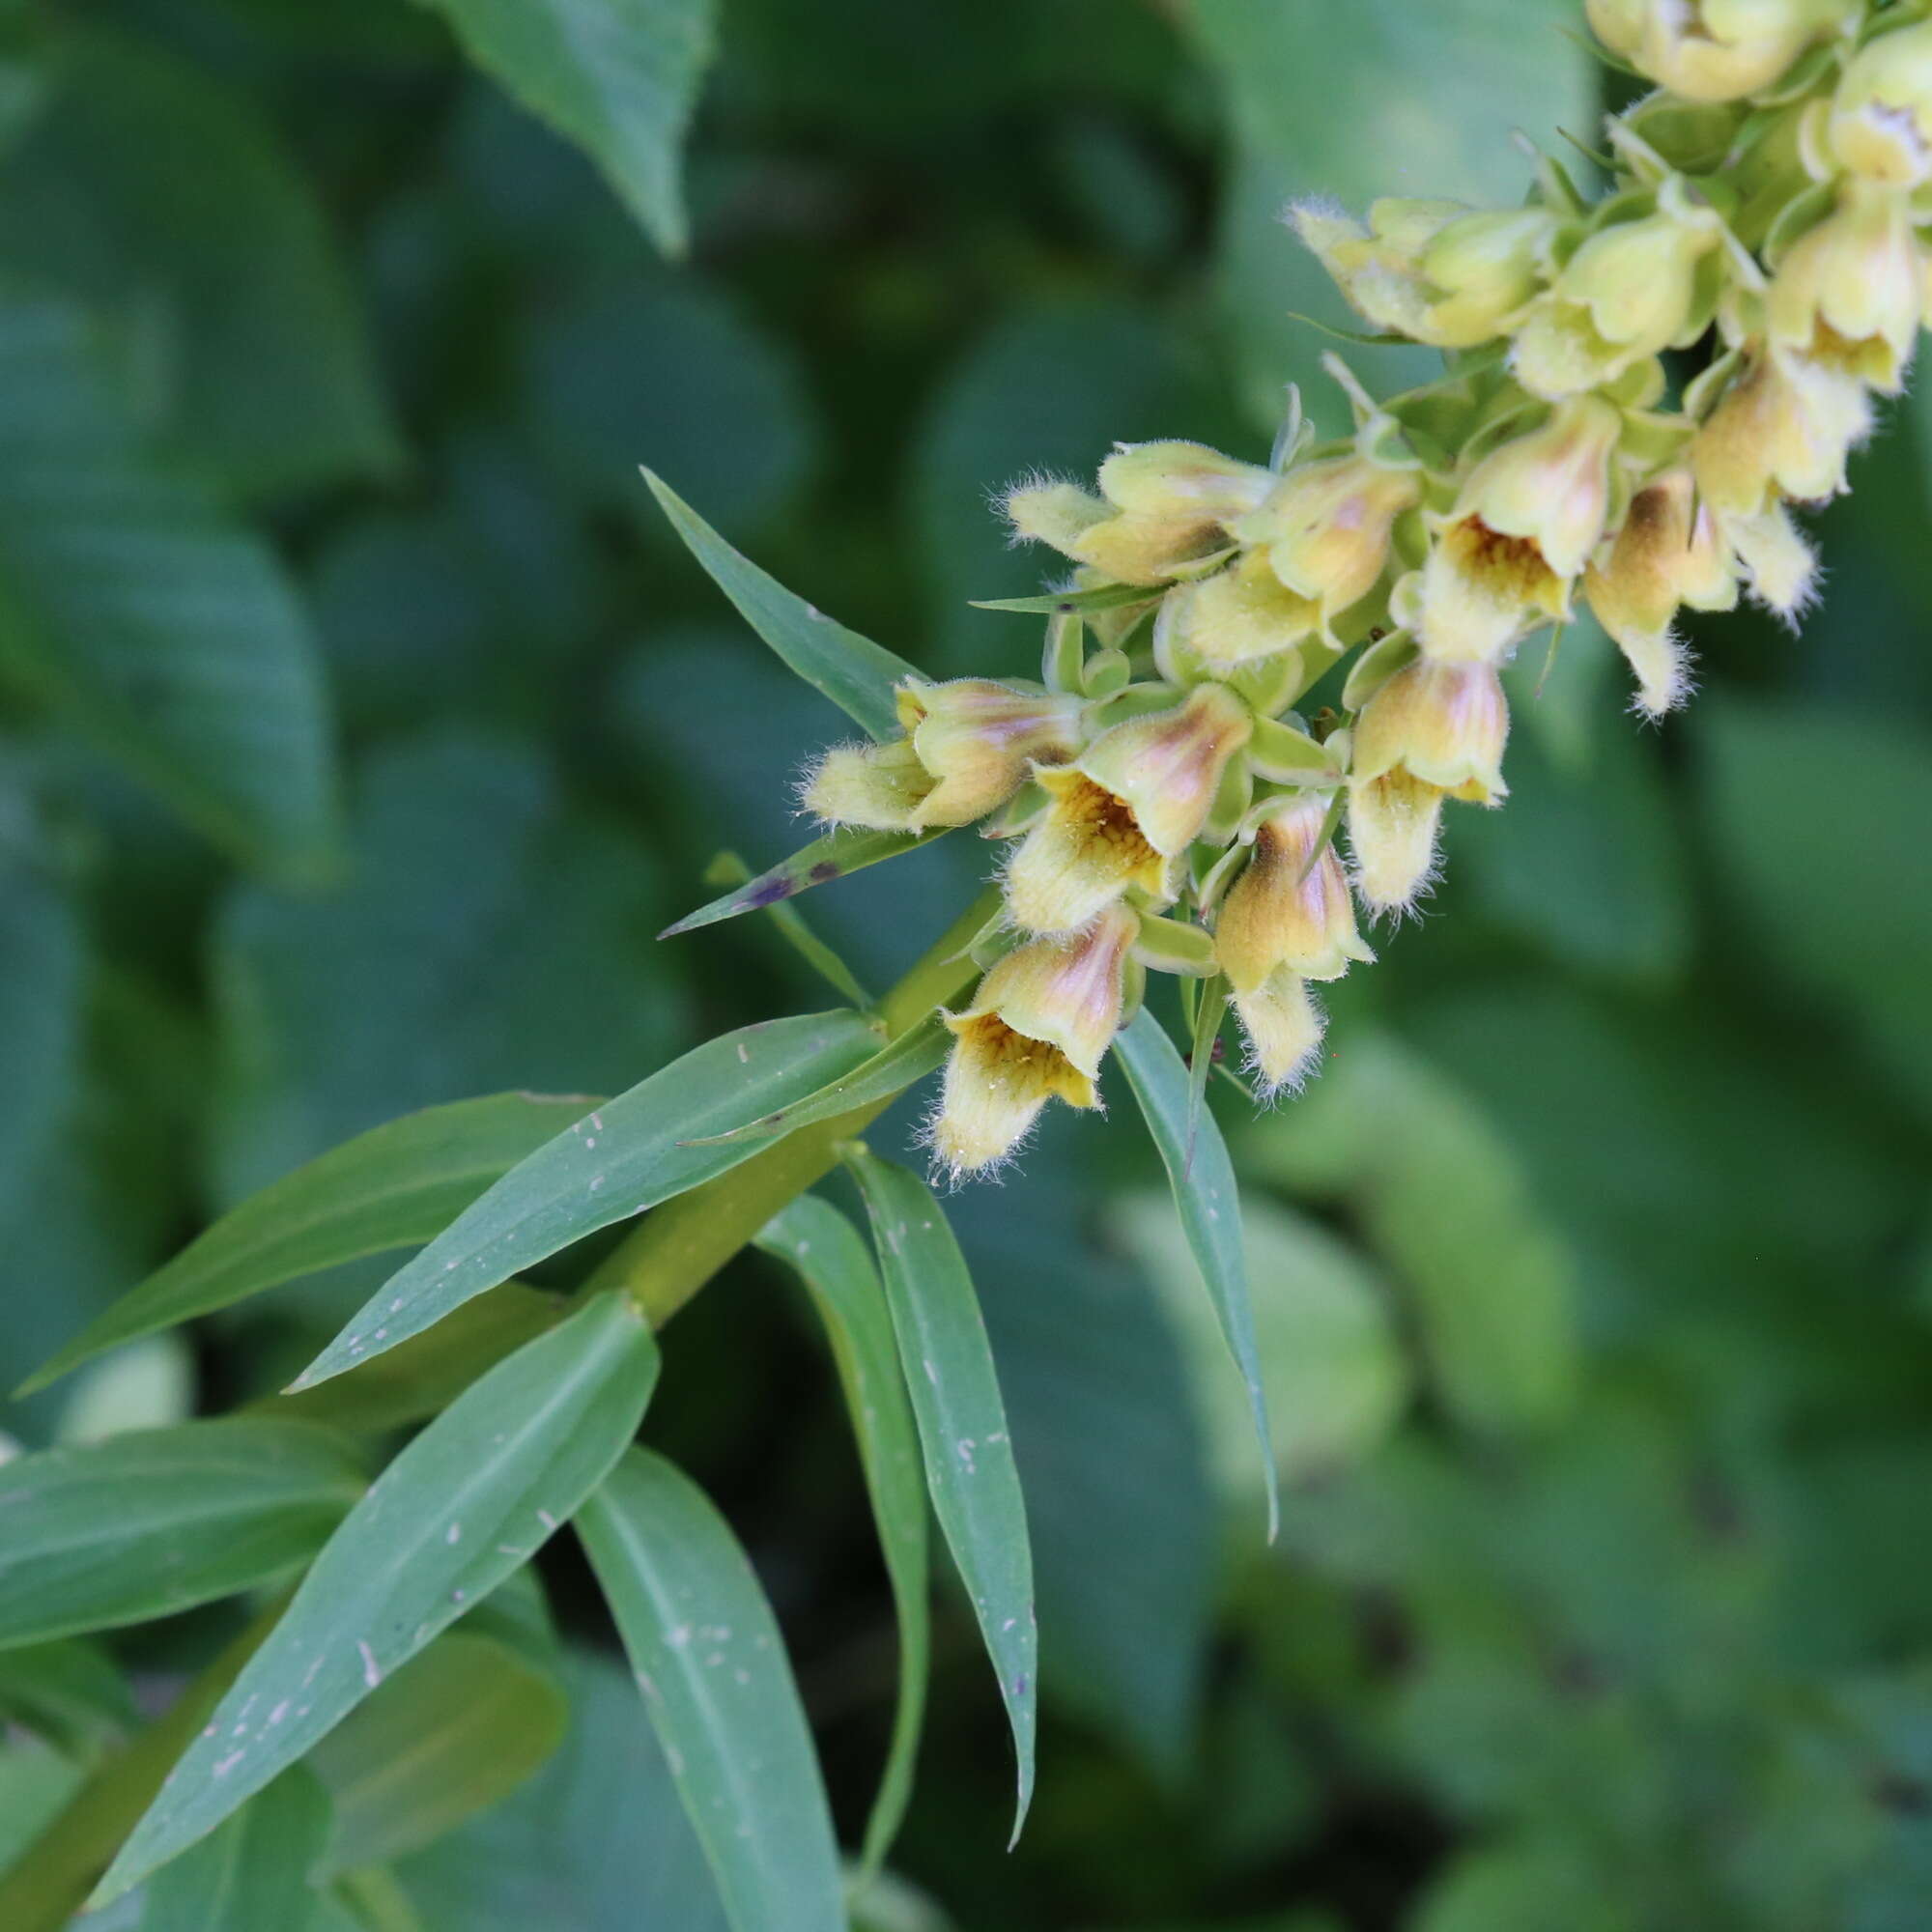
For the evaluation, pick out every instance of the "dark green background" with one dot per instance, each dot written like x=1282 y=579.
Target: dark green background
x=1594 y=1275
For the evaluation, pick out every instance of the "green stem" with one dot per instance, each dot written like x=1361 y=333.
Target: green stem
x=53 y=1876
x=679 y=1247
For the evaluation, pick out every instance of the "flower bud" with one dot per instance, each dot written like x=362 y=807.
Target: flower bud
x=1036 y=1031
x=1629 y=292
x=972 y=744
x=1284 y=1028
x=1784 y=428
x=1392 y=825
x=1444 y=724
x=1126 y=813
x=1285 y=911
x=1850 y=293
x=1525 y=522
x=1327 y=525
x=1163 y=507
x=1882 y=117
x=1433 y=270
x=1712 y=49
x=1669 y=554
x=1241 y=615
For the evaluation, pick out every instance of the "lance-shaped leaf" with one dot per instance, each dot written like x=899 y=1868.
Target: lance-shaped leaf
x=917 y=1052
x=619 y=77
x=617 y=1160
x=1202 y=1179
x=1072 y=602
x=837 y=855
x=252 y=1873
x=830 y=1259
x=395 y=1187
x=711 y=1664
x=144 y=1524
x=858 y=675
x=469 y=1500
x=962 y=1432
x=453 y=1732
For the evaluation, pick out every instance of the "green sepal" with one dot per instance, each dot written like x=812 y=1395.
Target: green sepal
x=1280 y=751
x=1237 y=792
x=1064 y=658
x=1106 y=672
x=1174 y=946
x=1377 y=666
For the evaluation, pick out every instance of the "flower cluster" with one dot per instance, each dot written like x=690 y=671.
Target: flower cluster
x=1637 y=389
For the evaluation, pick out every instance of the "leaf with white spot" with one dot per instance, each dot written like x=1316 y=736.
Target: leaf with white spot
x=616 y=1161
x=712 y=1668
x=962 y=1428
x=472 y=1499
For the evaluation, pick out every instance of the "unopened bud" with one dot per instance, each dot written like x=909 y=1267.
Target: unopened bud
x=879 y=786
x=1444 y=724
x=1524 y=523
x=1289 y=907
x=1784 y=428
x=1434 y=270
x=1629 y=292
x=1036 y=1031
x=1712 y=49
x=1123 y=816
x=1669 y=554
x=1850 y=293
x=1882 y=117
x=1284 y=1028
x=1163 y=508
x=1241 y=615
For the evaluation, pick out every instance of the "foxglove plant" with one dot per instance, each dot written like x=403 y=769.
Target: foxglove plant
x=1261 y=684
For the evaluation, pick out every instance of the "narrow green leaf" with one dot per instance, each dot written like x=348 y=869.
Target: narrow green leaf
x=858 y=675
x=428 y=1372
x=166 y=632
x=917 y=1052
x=453 y=1732
x=830 y=1259
x=836 y=856
x=145 y=1525
x=1072 y=602
x=474 y=1496
x=619 y=77
x=618 y=1161
x=252 y=1873
x=962 y=1430
x=1210 y=1012
x=1209 y=1202
x=711 y=1664
x=68 y=1692
x=395 y=1187
x=728 y=870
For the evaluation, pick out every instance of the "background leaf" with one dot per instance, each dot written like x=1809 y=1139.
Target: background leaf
x=109 y=1533
x=251 y=1872
x=41 y=960
x=477 y=1493
x=620 y=76
x=167 y=634
x=710 y=1661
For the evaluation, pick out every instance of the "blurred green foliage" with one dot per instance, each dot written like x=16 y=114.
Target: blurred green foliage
x=362 y=722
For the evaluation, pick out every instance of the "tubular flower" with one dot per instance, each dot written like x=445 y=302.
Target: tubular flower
x=1126 y=813
x=1168 y=802
x=1289 y=908
x=1525 y=521
x=1162 y=511
x=1881 y=124
x=1036 y=1031
x=1667 y=554
x=1850 y=294
x=1712 y=49
x=971 y=745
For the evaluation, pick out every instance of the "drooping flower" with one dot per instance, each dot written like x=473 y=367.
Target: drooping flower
x=1289 y=907
x=1881 y=124
x=1125 y=814
x=1785 y=428
x=1036 y=1031
x=1714 y=50
x=1850 y=294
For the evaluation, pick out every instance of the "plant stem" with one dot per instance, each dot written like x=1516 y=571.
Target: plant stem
x=679 y=1247
x=52 y=1879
